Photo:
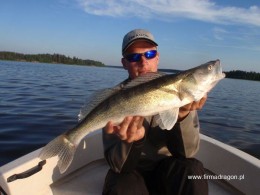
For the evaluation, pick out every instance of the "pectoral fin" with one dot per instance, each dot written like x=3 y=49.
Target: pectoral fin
x=166 y=119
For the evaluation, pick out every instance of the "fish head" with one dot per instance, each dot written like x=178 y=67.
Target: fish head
x=208 y=75
x=198 y=81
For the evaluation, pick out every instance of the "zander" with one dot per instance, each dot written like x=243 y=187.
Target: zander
x=147 y=95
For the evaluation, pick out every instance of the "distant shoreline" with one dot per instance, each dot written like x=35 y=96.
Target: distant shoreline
x=234 y=74
x=62 y=59
x=47 y=58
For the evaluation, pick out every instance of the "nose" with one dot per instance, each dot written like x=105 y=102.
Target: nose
x=143 y=61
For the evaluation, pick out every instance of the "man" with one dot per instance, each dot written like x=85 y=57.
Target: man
x=145 y=159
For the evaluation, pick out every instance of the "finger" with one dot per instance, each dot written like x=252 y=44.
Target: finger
x=109 y=128
x=123 y=127
x=202 y=101
x=184 y=111
x=134 y=124
x=136 y=129
x=141 y=121
x=139 y=134
x=137 y=122
x=194 y=106
x=199 y=104
x=186 y=107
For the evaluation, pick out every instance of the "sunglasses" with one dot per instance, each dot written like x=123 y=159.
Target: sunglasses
x=136 y=57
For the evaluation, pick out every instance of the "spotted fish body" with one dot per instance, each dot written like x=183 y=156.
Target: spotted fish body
x=148 y=95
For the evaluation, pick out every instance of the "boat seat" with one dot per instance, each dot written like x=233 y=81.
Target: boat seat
x=90 y=179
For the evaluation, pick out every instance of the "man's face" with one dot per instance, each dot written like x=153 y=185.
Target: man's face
x=143 y=66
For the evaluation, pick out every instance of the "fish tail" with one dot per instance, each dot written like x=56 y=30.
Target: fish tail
x=62 y=147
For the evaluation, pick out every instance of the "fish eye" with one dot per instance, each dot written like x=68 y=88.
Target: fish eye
x=210 y=67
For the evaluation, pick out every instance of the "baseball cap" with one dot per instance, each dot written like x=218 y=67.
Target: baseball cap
x=137 y=34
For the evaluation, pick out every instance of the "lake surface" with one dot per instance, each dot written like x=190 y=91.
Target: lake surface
x=40 y=101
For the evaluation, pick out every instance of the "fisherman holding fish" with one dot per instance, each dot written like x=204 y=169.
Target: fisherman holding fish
x=144 y=159
x=150 y=124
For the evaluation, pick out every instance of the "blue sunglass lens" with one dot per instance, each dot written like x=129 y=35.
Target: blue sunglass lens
x=150 y=54
x=135 y=57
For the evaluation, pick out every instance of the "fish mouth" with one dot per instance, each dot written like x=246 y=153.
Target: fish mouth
x=218 y=70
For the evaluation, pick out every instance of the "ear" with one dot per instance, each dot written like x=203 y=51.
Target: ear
x=124 y=63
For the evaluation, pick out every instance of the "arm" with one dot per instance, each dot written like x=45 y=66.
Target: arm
x=183 y=139
x=123 y=143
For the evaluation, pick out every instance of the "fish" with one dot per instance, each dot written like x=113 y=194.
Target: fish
x=151 y=94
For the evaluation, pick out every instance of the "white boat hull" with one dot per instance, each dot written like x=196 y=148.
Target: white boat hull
x=88 y=169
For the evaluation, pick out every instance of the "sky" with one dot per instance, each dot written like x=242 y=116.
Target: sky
x=188 y=32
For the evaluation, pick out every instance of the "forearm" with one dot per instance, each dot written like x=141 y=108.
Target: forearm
x=184 y=137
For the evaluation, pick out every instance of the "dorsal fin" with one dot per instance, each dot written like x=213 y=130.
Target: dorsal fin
x=143 y=79
x=101 y=95
x=95 y=99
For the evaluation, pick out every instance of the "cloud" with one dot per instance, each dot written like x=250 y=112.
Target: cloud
x=240 y=38
x=219 y=33
x=240 y=35
x=202 y=10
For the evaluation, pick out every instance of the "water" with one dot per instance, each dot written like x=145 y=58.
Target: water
x=40 y=101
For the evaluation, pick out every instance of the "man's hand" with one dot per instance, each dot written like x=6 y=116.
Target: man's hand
x=130 y=130
x=185 y=110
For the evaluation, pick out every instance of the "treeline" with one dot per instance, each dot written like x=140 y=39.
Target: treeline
x=238 y=74
x=47 y=58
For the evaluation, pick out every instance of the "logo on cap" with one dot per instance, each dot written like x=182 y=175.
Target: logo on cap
x=140 y=35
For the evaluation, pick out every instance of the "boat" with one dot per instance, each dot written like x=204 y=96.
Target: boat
x=228 y=170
